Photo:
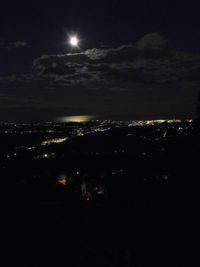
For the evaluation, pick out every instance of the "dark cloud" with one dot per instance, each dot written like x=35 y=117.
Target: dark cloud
x=19 y=44
x=12 y=45
x=152 y=41
x=23 y=77
x=148 y=61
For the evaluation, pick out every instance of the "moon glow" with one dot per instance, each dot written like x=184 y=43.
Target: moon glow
x=73 y=40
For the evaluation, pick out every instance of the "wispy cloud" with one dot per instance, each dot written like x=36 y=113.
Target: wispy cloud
x=12 y=45
x=22 y=77
x=152 y=41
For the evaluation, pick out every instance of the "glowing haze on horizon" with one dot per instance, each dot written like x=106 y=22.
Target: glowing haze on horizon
x=82 y=118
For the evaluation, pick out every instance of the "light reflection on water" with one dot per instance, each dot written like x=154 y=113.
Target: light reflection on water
x=82 y=118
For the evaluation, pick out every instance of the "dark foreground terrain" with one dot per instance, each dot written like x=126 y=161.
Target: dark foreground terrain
x=100 y=194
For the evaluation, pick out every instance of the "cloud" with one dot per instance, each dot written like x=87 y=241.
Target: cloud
x=19 y=44
x=23 y=77
x=147 y=61
x=152 y=41
x=12 y=45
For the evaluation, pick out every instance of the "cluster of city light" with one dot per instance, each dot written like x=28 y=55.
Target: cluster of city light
x=153 y=122
x=87 y=190
x=62 y=179
x=45 y=156
x=100 y=130
x=54 y=141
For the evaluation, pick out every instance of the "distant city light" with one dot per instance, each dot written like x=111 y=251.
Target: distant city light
x=154 y=122
x=45 y=156
x=54 y=141
x=62 y=179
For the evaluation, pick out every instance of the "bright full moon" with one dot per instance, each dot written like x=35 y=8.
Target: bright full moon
x=73 y=41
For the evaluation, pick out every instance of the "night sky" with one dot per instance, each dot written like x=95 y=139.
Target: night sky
x=135 y=59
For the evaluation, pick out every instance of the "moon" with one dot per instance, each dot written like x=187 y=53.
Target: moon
x=73 y=40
